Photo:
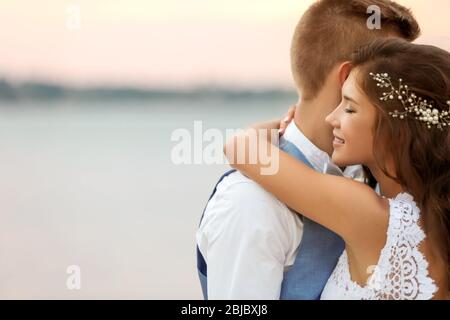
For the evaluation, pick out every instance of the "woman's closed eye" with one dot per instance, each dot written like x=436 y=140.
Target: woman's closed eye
x=349 y=110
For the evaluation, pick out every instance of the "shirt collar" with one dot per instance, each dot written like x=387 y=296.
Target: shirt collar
x=315 y=156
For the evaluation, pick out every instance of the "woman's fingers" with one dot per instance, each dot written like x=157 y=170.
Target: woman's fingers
x=286 y=120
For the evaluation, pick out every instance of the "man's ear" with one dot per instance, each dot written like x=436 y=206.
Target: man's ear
x=344 y=72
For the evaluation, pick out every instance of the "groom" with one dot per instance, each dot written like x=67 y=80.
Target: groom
x=250 y=245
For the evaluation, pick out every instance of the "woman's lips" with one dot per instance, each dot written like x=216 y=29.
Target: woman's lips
x=337 y=142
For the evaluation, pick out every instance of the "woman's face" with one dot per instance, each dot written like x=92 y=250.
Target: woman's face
x=353 y=122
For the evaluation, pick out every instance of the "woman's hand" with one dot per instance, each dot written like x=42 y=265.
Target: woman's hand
x=261 y=136
x=286 y=120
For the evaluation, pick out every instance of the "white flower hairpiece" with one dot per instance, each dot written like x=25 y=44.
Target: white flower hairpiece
x=422 y=109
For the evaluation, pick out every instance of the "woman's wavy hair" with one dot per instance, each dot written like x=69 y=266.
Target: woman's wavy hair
x=421 y=155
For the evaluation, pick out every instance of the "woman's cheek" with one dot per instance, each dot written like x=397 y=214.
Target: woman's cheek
x=364 y=142
x=358 y=141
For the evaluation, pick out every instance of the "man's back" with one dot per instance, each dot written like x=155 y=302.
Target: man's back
x=248 y=239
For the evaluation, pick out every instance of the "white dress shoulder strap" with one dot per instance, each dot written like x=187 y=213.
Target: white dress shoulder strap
x=403 y=269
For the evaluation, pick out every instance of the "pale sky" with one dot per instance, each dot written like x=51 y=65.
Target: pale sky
x=156 y=43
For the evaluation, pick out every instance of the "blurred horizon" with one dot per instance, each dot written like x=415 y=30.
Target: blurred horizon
x=150 y=44
x=42 y=92
x=88 y=114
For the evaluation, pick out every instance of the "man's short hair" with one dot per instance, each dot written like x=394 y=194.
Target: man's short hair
x=331 y=30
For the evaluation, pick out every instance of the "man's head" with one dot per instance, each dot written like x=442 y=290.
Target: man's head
x=331 y=30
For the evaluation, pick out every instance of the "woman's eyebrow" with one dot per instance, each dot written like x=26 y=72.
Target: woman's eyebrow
x=350 y=99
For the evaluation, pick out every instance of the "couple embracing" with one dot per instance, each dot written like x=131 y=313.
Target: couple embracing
x=359 y=207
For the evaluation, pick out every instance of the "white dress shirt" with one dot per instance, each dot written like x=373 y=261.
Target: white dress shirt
x=249 y=238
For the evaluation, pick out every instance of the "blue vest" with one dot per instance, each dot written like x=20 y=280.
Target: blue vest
x=318 y=253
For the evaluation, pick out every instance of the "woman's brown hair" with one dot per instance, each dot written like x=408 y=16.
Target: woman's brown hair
x=421 y=155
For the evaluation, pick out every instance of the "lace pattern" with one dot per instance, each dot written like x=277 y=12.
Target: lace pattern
x=401 y=272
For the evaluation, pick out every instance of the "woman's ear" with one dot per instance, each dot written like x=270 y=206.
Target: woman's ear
x=344 y=72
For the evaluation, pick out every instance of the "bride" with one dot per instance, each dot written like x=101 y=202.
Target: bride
x=394 y=119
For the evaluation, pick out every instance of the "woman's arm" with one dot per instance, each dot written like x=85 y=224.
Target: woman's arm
x=349 y=208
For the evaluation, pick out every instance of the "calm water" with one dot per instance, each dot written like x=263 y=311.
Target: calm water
x=94 y=186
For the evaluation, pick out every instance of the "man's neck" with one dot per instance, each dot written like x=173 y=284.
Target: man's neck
x=388 y=187
x=310 y=119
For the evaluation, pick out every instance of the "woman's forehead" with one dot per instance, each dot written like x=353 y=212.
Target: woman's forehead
x=350 y=85
x=353 y=90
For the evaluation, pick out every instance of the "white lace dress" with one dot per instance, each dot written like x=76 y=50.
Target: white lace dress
x=402 y=270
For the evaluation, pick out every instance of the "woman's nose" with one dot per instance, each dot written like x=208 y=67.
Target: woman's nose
x=331 y=119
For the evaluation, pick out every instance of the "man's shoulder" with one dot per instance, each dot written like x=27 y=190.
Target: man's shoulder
x=238 y=198
x=242 y=206
x=238 y=187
